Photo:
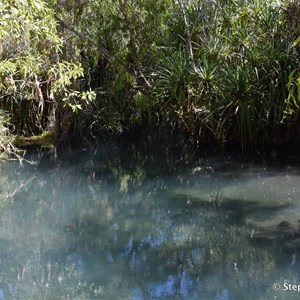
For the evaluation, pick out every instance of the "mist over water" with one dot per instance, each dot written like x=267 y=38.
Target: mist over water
x=120 y=223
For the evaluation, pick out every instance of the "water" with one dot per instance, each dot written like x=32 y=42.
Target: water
x=117 y=222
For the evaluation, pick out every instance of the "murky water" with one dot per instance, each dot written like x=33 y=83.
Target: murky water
x=117 y=223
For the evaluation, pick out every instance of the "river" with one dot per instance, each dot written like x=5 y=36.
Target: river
x=116 y=222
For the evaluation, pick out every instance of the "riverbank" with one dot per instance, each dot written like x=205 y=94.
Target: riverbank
x=215 y=71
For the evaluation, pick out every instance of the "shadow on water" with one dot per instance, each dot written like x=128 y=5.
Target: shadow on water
x=124 y=222
x=237 y=209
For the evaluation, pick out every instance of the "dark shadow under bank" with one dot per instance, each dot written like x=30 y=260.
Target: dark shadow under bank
x=175 y=145
x=171 y=148
x=180 y=149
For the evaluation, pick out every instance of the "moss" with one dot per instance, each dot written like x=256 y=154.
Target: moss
x=45 y=140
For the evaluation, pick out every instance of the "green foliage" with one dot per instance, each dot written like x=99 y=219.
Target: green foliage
x=7 y=148
x=242 y=55
x=293 y=86
x=33 y=78
x=292 y=101
x=113 y=40
x=171 y=81
x=62 y=77
x=225 y=70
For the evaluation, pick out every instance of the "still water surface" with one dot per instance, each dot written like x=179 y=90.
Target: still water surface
x=114 y=223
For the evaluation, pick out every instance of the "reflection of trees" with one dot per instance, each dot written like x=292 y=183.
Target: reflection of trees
x=75 y=231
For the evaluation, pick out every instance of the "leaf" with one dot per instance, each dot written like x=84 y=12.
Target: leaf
x=297 y=41
x=298 y=88
x=37 y=5
x=291 y=79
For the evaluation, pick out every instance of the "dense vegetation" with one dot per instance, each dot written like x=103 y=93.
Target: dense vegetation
x=223 y=70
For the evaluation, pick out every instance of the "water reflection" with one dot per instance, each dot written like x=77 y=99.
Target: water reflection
x=103 y=225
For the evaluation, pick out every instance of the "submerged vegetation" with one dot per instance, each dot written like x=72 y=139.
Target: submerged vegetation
x=214 y=70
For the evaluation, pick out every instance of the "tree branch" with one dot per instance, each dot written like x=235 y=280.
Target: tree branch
x=103 y=51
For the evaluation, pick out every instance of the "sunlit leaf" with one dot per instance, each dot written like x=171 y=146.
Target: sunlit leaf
x=296 y=42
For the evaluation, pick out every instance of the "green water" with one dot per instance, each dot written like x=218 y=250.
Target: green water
x=119 y=223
